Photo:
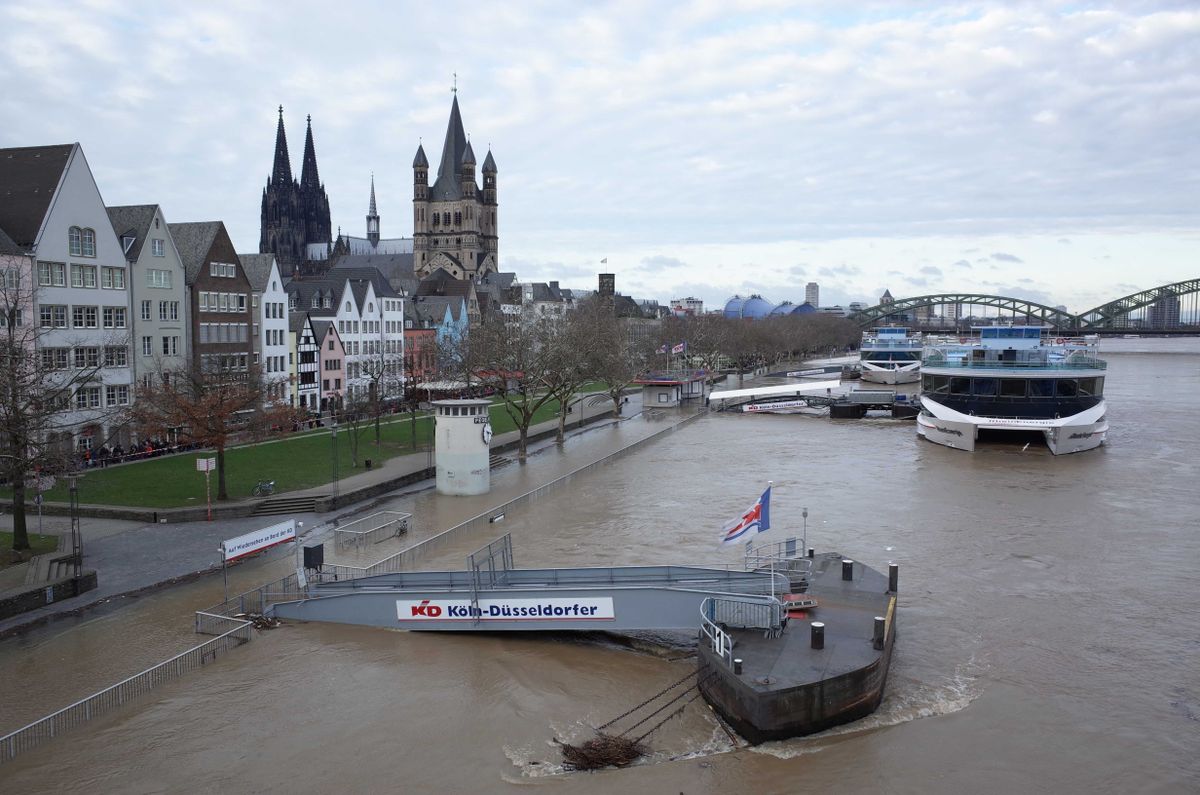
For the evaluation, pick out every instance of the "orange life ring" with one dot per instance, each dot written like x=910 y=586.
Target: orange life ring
x=1059 y=341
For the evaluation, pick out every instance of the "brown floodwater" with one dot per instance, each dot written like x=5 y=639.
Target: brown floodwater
x=1048 y=634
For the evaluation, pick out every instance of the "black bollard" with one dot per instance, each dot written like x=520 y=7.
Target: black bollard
x=818 y=635
x=894 y=577
x=737 y=666
x=811 y=552
x=847 y=570
x=880 y=626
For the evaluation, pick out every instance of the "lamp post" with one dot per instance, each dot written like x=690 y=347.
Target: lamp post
x=804 y=513
x=333 y=428
x=76 y=537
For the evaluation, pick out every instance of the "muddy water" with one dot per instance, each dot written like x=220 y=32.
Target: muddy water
x=1048 y=641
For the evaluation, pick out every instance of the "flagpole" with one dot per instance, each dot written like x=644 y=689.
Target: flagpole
x=769 y=484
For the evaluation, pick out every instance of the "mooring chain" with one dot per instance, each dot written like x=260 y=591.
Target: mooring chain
x=679 y=710
x=666 y=704
x=659 y=694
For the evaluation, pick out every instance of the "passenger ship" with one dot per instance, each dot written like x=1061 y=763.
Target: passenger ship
x=1013 y=378
x=890 y=356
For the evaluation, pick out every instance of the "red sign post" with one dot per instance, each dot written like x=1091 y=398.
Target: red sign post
x=207 y=465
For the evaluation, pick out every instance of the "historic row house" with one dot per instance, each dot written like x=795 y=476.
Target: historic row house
x=76 y=290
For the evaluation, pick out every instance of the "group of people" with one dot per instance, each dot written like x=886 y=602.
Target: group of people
x=117 y=454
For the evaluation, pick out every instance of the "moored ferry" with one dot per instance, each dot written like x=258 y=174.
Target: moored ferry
x=1010 y=379
x=890 y=356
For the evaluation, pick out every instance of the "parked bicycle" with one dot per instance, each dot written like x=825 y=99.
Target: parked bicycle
x=263 y=488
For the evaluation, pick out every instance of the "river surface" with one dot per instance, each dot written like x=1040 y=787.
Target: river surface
x=1049 y=635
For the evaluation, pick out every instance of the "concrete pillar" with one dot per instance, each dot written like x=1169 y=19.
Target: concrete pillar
x=847 y=570
x=818 y=634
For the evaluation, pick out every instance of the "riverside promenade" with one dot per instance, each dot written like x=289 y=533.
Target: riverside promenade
x=133 y=557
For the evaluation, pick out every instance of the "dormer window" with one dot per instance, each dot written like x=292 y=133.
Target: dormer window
x=316 y=301
x=291 y=302
x=347 y=306
x=328 y=302
x=127 y=242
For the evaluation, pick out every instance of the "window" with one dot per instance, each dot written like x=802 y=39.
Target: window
x=1041 y=387
x=328 y=301
x=116 y=395
x=75 y=241
x=87 y=397
x=458 y=219
x=173 y=310
x=241 y=302
x=170 y=346
x=159 y=246
x=214 y=269
x=960 y=386
x=330 y=343
x=89 y=242
x=53 y=316
x=223 y=300
x=146 y=310
x=116 y=356
x=112 y=278
x=83 y=275
x=84 y=317
x=54 y=358
x=114 y=317
x=985 y=387
x=1066 y=387
x=87 y=357
x=158 y=278
x=147 y=346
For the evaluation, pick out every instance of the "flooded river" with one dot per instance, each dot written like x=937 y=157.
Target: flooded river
x=1048 y=634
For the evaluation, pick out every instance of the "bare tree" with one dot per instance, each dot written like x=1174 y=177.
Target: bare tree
x=209 y=407
x=516 y=361
x=615 y=357
x=41 y=379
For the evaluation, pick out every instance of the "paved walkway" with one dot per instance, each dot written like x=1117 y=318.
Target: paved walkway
x=130 y=556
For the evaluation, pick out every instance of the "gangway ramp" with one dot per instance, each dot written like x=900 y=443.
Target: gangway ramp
x=731 y=398
x=486 y=598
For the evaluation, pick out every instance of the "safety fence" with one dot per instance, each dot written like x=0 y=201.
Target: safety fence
x=236 y=633
x=362 y=533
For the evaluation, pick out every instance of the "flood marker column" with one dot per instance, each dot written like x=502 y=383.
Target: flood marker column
x=462 y=445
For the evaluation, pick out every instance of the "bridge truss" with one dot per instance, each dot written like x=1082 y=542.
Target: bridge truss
x=1161 y=305
x=1018 y=308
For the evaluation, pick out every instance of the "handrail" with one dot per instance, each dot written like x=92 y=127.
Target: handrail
x=720 y=642
x=33 y=735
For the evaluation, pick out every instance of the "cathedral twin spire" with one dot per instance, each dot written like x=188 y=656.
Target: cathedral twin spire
x=295 y=214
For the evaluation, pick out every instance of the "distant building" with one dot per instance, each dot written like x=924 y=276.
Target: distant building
x=270 y=331
x=1164 y=313
x=454 y=221
x=812 y=294
x=681 y=307
x=219 y=308
x=295 y=215
x=886 y=298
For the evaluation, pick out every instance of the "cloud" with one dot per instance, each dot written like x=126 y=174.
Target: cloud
x=1000 y=256
x=659 y=262
x=962 y=263
x=931 y=270
x=839 y=271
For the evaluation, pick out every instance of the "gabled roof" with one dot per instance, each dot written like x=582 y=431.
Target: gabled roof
x=396 y=268
x=304 y=290
x=194 y=241
x=132 y=220
x=322 y=327
x=7 y=245
x=258 y=269
x=29 y=177
x=434 y=307
x=442 y=283
x=383 y=289
x=297 y=319
x=447 y=187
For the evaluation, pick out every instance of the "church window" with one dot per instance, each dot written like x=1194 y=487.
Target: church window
x=445 y=219
x=458 y=218
x=435 y=219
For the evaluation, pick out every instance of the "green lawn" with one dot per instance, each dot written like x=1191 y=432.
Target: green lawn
x=39 y=544
x=294 y=462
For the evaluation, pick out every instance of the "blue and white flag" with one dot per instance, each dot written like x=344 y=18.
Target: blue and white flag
x=755 y=520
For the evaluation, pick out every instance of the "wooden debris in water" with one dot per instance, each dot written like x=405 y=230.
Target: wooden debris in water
x=603 y=750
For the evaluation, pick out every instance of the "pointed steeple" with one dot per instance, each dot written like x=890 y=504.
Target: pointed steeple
x=309 y=179
x=420 y=161
x=489 y=164
x=468 y=156
x=447 y=185
x=373 y=217
x=281 y=174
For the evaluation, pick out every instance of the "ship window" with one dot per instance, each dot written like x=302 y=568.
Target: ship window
x=1012 y=387
x=984 y=386
x=1067 y=387
x=960 y=386
x=937 y=384
x=927 y=383
x=1087 y=386
x=1041 y=387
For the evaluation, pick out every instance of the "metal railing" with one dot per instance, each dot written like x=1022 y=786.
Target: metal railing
x=718 y=639
x=781 y=557
x=97 y=704
x=371 y=529
x=257 y=600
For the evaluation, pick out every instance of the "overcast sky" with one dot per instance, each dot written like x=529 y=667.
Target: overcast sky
x=1046 y=150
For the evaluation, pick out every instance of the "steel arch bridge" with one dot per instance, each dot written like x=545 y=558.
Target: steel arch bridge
x=1111 y=317
x=1047 y=315
x=1108 y=315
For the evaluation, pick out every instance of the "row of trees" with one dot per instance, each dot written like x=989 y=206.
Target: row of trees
x=533 y=362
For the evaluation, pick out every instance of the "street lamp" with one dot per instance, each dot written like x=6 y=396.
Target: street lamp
x=804 y=513
x=333 y=437
x=76 y=537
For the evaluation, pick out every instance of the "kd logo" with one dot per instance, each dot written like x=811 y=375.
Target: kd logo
x=426 y=610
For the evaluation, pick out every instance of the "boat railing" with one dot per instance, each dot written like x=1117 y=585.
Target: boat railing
x=1073 y=362
x=719 y=613
x=782 y=557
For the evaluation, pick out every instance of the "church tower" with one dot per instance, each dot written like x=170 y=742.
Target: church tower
x=454 y=222
x=294 y=214
x=373 y=217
